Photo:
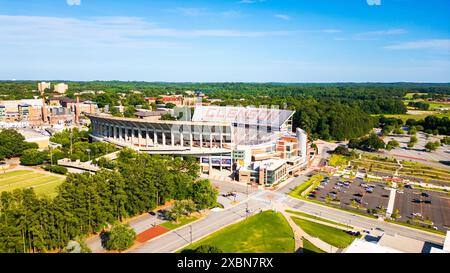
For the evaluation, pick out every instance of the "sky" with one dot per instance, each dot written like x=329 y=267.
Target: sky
x=226 y=40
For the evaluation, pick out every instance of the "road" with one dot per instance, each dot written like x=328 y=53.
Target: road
x=170 y=242
x=259 y=200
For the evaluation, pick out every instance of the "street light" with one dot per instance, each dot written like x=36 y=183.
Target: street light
x=190 y=231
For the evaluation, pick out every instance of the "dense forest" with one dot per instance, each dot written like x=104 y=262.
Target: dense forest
x=89 y=203
x=334 y=111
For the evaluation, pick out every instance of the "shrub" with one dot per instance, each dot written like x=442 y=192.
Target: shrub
x=56 y=169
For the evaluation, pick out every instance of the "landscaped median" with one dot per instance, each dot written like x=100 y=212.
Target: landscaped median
x=303 y=189
x=265 y=232
x=181 y=222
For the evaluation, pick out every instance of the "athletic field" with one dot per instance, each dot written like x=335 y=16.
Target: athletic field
x=43 y=184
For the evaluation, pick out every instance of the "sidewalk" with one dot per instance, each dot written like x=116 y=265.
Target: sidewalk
x=300 y=234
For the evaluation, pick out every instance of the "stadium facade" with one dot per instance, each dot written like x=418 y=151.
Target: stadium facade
x=257 y=144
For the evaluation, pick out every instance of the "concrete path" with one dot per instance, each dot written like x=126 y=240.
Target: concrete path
x=299 y=234
x=391 y=202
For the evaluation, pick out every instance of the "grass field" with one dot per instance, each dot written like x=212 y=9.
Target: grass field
x=333 y=236
x=308 y=247
x=425 y=114
x=43 y=184
x=183 y=221
x=265 y=232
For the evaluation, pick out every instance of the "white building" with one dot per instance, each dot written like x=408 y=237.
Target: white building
x=61 y=88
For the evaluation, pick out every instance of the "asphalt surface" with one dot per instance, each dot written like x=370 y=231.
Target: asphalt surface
x=378 y=198
x=259 y=199
x=170 y=242
x=173 y=241
x=434 y=207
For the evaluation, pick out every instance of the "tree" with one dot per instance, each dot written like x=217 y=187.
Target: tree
x=12 y=144
x=207 y=249
x=445 y=141
x=398 y=131
x=412 y=131
x=341 y=150
x=392 y=144
x=121 y=237
x=203 y=194
x=168 y=117
x=33 y=157
x=395 y=214
x=432 y=146
x=129 y=111
x=170 y=105
x=412 y=141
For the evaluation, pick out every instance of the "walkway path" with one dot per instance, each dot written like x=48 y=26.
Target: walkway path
x=391 y=202
x=300 y=234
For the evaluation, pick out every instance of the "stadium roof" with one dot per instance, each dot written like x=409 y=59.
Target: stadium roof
x=242 y=115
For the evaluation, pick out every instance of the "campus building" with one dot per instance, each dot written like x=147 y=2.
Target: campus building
x=256 y=144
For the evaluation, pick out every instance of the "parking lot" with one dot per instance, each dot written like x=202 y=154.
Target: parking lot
x=424 y=205
x=352 y=192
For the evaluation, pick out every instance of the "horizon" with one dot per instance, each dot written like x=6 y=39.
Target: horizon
x=263 y=41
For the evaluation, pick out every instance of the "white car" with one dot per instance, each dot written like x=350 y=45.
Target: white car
x=400 y=192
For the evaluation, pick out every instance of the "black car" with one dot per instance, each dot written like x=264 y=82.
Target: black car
x=424 y=194
x=417 y=201
x=152 y=213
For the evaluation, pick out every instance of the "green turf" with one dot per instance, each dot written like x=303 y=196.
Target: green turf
x=43 y=184
x=308 y=247
x=265 y=232
x=318 y=218
x=333 y=236
x=420 y=116
x=299 y=191
x=183 y=221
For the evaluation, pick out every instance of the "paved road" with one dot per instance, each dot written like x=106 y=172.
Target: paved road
x=170 y=242
x=260 y=199
x=360 y=221
x=265 y=199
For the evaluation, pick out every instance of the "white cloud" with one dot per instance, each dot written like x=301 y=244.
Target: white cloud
x=283 y=17
x=374 y=35
x=436 y=44
x=374 y=2
x=106 y=31
x=73 y=2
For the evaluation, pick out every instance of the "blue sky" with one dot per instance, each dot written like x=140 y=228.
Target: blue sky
x=226 y=40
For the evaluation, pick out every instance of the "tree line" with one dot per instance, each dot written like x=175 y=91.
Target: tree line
x=87 y=203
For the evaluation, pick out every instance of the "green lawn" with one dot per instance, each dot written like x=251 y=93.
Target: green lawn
x=317 y=218
x=183 y=221
x=265 y=232
x=420 y=116
x=333 y=236
x=338 y=160
x=308 y=247
x=43 y=184
x=299 y=191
